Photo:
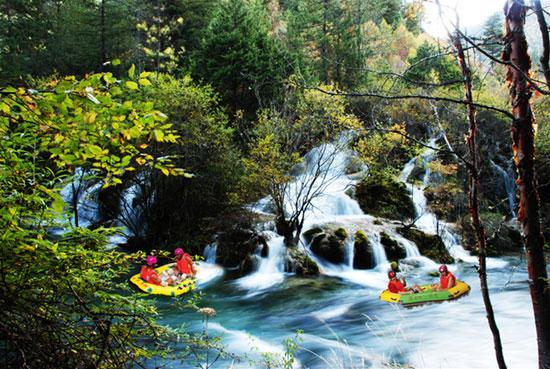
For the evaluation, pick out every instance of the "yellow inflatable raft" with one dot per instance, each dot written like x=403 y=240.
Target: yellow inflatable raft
x=427 y=295
x=184 y=286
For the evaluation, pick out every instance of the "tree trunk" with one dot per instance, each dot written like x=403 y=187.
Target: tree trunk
x=523 y=146
x=285 y=229
x=545 y=41
x=473 y=183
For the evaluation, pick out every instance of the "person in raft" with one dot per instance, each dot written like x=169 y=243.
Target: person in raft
x=184 y=263
x=446 y=280
x=395 y=285
x=148 y=273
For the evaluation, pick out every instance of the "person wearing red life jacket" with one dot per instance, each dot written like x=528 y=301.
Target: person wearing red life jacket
x=446 y=280
x=148 y=273
x=395 y=285
x=184 y=263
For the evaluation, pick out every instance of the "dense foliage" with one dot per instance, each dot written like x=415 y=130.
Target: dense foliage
x=198 y=108
x=63 y=303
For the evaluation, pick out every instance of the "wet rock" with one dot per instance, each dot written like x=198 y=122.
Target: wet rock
x=394 y=251
x=310 y=233
x=298 y=261
x=363 y=257
x=328 y=244
x=236 y=246
x=380 y=194
x=429 y=245
x=341 y=233
x=264 y=250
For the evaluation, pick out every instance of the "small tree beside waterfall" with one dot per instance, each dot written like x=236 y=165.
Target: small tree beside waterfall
x=277 y=164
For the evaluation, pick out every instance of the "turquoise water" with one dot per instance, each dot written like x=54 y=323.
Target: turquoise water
x=345 y=325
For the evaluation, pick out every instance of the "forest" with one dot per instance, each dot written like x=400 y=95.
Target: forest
x=300 y=151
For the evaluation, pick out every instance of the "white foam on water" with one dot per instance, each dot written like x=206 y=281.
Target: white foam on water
x=208 y=273
x=270 y=271
x=246 y=345
x=331 y=312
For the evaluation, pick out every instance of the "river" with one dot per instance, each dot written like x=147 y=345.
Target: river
x=344 y=323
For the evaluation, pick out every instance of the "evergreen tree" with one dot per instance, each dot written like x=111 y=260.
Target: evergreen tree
x=493 y=34
x=430 y=65
x=238 y=57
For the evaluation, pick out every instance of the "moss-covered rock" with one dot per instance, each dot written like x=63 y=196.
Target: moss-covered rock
x=363 y=257
x=310 y=233
x=341 y=233
x=380 y=194
x=329 y=246
x=298 y=261
x=429 y=245
x=394 y=251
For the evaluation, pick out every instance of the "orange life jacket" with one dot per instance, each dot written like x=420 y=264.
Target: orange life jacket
x=185 y=264
x=395 y=286
x=445 y=279
x=149 y=275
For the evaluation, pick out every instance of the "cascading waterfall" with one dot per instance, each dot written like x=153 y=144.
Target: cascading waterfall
x=378 y=251
x=270 y=269
x=84 y=193
x=509 y=186
x=209 y=253
x=427 y=221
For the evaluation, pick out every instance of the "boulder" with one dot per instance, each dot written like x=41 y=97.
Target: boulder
x=363 y=257
x=298 y=261
x=394 y=250
x=429 y=245
x=328 y=244
x=381 y=195
x=236 y=246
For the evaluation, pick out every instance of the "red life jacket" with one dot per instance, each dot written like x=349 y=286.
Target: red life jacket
x=445 y=279
x=185 y=264
x=395 y=286
x=149 y=275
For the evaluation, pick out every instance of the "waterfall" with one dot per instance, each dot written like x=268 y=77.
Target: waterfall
x=350 y=250
x=84 y=193
x=509 y=186
x=323 y=173
x=427 y=221
x=270 y=269
x=209 y=253
x=378 y=250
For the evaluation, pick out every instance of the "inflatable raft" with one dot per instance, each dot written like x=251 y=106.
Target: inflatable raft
x=184 y=286
x=427 y=295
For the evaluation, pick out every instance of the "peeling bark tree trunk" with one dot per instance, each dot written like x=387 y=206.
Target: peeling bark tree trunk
x=523 y=146
x=473 y=184
x=545 y=41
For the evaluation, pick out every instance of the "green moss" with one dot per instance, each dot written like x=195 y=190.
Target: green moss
x=300 y=263
x=360 y=236
x=341 y=233
x=380 y=194
x=429 y=245
x=363 y=257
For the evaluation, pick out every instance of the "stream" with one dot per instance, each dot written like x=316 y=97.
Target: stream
x=344 y=323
